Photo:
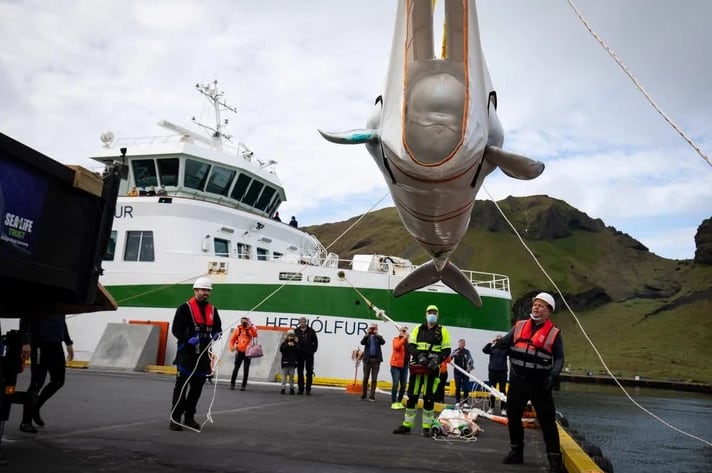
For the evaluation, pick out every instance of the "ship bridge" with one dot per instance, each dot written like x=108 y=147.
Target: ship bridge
x=177 y=165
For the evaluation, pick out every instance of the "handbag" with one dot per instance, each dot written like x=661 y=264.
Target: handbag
x=254 y=350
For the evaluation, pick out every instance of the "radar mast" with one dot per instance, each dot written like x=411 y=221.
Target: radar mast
x=215 y=96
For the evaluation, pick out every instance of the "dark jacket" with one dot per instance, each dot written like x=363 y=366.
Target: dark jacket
x=307 y=341
x=463 y=359
x=44 y=329
x=378 y=341
x=497 y=359
x=183 y=329
x=290 y=354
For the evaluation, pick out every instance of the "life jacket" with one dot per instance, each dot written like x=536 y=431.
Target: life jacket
x=201 y=324
x=533 y=351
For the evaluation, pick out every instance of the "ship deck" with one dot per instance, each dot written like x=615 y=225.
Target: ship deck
x=117 y=422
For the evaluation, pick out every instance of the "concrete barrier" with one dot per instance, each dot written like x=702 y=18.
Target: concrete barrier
x=265 y=368
x=126 y=347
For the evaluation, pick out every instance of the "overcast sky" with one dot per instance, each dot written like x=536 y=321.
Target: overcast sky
x=70 y=70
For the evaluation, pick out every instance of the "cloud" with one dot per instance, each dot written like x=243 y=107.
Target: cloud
x=72 y=70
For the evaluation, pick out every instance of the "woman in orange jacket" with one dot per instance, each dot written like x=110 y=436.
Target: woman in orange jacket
x=240 y=339
x=399 y=368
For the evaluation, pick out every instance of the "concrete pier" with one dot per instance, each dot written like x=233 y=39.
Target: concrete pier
x=118 y=421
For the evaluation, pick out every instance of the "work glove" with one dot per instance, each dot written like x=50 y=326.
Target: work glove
x=194 y=340
x=423 y=359
x=433 y=365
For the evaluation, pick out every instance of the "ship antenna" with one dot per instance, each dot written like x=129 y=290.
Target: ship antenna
x=215 y=96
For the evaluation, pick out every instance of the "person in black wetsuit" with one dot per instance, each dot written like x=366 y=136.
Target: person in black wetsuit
x=42 y=342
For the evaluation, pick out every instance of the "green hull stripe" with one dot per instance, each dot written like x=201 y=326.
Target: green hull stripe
x=327 y=301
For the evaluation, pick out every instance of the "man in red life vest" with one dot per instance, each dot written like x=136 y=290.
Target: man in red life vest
x=536 y=355
x=195 y=325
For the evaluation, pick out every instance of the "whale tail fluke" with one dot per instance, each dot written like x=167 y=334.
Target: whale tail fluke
x=451 y=276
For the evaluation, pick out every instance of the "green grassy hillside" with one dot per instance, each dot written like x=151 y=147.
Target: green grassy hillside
x=647 y=315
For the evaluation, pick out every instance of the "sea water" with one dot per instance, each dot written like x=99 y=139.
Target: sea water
x=633 y=440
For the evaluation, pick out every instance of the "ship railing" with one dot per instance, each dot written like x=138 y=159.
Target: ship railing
x=149 y=140
x=490 y=280
x=317 y=254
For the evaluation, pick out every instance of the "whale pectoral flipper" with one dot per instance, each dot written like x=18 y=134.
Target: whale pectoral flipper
x=351 y=137
x=512 y=164
x=428 y=274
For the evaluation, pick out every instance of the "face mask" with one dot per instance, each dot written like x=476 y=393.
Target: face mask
x=535 y=319
x=431 y=318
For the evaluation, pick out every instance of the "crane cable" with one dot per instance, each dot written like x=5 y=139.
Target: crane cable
x=638 y=84
x=583 y=331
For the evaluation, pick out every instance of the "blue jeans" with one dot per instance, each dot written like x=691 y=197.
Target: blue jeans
x=399 y=376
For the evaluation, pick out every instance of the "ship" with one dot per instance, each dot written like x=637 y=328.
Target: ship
x=197 y=204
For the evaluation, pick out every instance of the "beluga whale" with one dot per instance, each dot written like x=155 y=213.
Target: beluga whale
x=435 y=135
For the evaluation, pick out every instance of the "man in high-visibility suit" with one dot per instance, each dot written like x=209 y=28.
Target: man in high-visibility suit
x=428 y=346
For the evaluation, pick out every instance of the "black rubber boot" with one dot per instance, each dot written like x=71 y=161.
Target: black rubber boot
x=175 y=426
x=38 y=420
x=555 y=463
x=402 y=429
x=190 y=422
x=28 y=428
x=515 y=455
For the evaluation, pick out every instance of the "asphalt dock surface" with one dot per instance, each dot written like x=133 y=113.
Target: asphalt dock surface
x=118 y=422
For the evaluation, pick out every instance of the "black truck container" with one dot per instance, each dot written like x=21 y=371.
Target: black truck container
x=55 y=221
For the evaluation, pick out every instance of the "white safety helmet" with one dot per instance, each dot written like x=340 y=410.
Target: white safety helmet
x=203 y=283
x=546 y=297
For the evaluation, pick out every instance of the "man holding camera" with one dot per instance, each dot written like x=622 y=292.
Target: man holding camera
x=372 y=358
x=429 y=345
x=308 y=343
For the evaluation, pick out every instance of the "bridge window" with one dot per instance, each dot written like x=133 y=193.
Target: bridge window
x=274 y=206
x=276 y=256
x=196 y=173
x=222 y=247
x=110 y=247
x=238 y=192
x=220 y=180
x=144 y=171
x=265 y=198
x=139 y=246
x=252 y=193
x=168 y=171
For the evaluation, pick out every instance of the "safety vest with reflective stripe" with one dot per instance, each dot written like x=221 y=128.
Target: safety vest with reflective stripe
x=533 y=352
x=430 y=340
x=201 y=324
